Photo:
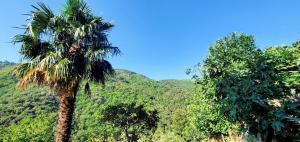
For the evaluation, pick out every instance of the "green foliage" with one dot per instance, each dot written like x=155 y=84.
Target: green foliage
x=9 y=82
x=87 y=122
x=16 y=104
x=173 y=97
x=240 y=89
x=167 y=137
x=250 y=86
x=30 y=129
x=206 y=119
x=133 y=120
x=125 y=87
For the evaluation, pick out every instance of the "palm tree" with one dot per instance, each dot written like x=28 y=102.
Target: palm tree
x=62 y=50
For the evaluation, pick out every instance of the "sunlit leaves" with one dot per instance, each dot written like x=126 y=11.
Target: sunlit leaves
x=21 y=70
x=231 y=55
x=134 y=120
x=62 y=69
x=250 y=86
x=50 y=60
x=77 y=12
x=30 y=129
x=206 y=117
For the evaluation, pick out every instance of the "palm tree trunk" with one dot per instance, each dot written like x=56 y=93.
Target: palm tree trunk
x=66 y=109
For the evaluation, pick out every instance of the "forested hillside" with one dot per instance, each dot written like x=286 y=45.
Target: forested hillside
x=239 y=93
x=65 y=87
x=31 y=114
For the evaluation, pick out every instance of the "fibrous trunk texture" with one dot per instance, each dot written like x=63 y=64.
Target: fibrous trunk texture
x=66 y=109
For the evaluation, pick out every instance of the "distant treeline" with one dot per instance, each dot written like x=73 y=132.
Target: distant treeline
x=6 y=63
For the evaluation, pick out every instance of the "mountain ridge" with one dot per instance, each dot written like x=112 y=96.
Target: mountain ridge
x=37 y=101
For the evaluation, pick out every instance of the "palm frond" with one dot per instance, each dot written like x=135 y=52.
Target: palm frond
x=44 y=8
x=98 y=25
x=62 y=69
x=39 y=20
x=104 y=26
x=77 y=11
x=50 y=60
x=102 y=53
x=61 y=50
x=100 y=69
x=31 y=47
x=35 y=62
x=112 y=51
x=21 y=70
x=33 y=75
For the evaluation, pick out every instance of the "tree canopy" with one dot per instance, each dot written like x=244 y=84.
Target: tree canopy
x=257 y=89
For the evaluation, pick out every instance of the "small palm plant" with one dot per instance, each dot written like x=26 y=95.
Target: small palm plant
x=62 y=50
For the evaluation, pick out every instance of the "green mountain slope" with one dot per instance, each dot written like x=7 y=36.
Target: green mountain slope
x=35 y=106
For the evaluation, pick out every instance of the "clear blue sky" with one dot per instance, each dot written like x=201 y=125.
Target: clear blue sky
x=161 y=38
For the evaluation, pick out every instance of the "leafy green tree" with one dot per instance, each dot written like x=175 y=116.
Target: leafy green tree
x=286 y=61
x=62 y=50
x=206 y=119
x=133 y=120
x=250 y=86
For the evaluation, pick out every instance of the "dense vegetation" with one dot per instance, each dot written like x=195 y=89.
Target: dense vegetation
x=239 y=92
x=242 y=85
x=31 y=114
